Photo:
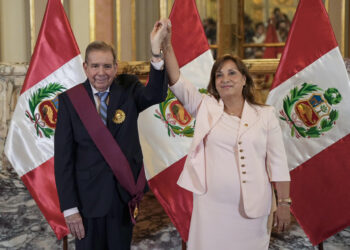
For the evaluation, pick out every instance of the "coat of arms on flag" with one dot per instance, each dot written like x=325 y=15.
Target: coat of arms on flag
x=177 y=120
x=43 y=111
x=309 y=111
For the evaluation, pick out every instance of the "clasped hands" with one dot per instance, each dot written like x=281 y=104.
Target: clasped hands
x=160 y=36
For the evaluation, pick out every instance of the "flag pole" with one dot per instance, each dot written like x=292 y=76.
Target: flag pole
x=320 y=246
x=65 y=243
x=184 y=245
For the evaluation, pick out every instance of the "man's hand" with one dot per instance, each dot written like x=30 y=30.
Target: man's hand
x=75 y=225
x=282 y=217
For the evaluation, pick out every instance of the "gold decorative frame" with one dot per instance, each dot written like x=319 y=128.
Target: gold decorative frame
x=133 y=30
x=32 y=25
x=92 y=20
x=118 y=26
x=163 y=8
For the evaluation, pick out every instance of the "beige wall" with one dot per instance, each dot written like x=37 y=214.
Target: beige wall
x=14 y=31
x=337 y=14
x=79 y=21
x=146 y=16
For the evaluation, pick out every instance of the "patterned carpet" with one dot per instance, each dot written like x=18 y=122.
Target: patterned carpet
x=22 y=226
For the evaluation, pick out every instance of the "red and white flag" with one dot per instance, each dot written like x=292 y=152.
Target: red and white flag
x=271 y=37
x=166 y=130
x=56 y=66
x=311 y=93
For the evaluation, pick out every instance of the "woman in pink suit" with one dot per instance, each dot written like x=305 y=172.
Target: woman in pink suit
x=236 y=154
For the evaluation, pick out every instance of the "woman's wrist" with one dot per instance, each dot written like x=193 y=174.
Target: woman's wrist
x=157 y=53
x=283 y=204
x=285 y=200
x=167 y=47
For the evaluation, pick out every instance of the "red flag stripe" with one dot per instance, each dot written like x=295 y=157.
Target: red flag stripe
x=45 y=195
x=316 y=192
x=188 y=37
x=57 y=46
x=176 y=201
x=312 y=37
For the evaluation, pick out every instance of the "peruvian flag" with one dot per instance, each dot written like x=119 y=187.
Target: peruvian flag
x=311 y=93
x=166 y=130
x=56 y=66
x=271 y=37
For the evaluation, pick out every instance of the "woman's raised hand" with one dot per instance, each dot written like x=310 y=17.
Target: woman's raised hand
x=159 y=35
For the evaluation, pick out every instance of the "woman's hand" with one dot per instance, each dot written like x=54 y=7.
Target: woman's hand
x=282 y=217
x=166 y=44
x=158 y=35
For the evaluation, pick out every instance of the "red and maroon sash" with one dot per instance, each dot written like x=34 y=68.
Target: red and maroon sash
x=108 y=147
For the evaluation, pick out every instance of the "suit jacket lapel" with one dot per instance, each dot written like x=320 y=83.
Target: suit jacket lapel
x=87 y=86
x=114 y=103
x=207 y=119
x=250 y=116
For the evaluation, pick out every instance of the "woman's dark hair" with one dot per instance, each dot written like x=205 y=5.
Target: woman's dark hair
x=247 y=91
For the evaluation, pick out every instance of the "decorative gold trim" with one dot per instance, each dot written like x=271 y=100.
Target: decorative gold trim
x=249 y=45
x=326 y=4
x=343 y=28
x=133 y=30
x=170 y=7
x=261 y=66
x=32 y=25
x=92 y=19
x=163 y=8
x=119 y=26
x=342 y=39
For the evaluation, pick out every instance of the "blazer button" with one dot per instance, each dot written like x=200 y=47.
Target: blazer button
x=244 y=181
x=243 y=165
x=242 y=157
x=239 y=142
x=244 y=172
x=241 y=150
x=246 y=124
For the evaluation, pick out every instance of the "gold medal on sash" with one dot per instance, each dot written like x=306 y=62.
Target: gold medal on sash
x=136 y=212
x=119 y=116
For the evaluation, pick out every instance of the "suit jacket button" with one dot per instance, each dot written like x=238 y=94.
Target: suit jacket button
x=244 y=172
x=243 y=181
x=241 y=150
x=243 y=165
x=239 y=142
x=242 y=157
x=246 y=124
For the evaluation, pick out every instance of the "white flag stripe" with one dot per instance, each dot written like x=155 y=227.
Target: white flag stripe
x=24 y=139
x=160 y=154
x=67 y=75
x=302 y=149
x=198 y=70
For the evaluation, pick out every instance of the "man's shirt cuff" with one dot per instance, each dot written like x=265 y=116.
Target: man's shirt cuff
x=70 y=211
x=158 y=65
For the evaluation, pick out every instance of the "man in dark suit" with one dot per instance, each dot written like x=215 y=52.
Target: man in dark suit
x=94 y=203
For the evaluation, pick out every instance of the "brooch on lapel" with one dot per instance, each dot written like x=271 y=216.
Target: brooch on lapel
x=119 y=116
